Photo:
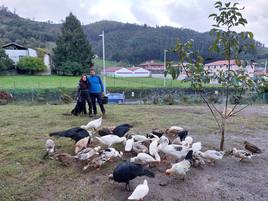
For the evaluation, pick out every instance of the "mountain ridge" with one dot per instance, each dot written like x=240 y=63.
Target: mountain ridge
x=126 y=42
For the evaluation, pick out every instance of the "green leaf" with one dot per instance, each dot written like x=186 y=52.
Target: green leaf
x=227 y=4
x=250 y=35
x=212 y=15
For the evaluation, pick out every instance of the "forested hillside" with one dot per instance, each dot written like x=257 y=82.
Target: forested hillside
x=125 y=42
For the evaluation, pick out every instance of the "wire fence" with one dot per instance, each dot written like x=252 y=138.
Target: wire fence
x=168 y=96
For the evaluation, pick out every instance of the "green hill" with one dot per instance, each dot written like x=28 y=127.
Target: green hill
x=128 y=43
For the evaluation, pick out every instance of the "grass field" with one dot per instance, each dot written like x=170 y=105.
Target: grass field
x=24 y=175
x=24 y=82
x=108 y=63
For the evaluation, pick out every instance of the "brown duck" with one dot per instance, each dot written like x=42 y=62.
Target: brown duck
x=252 y=148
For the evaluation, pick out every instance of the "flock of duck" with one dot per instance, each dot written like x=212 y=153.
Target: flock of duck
x=154 y=148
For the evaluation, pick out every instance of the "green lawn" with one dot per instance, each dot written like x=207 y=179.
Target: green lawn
x=25 y=82
x=108 y=63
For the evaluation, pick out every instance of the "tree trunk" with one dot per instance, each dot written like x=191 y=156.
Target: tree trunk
x=222 y=138
x=222 y=130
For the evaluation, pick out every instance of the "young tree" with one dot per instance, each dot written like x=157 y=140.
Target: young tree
x=72 y=46
x=5 y=62
x=227 y=43
x=31 y=65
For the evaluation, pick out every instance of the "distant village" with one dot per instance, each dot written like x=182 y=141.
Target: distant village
x=150 y=68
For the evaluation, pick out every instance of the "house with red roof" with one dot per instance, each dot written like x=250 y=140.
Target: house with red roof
x=222 y=65
x=154 y=67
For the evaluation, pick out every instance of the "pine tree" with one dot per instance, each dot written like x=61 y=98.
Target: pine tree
x=72 y=47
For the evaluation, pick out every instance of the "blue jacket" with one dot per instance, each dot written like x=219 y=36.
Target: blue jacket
x=95 y=84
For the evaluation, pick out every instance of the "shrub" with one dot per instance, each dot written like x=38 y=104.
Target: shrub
x=30 y=65
x=5 y=62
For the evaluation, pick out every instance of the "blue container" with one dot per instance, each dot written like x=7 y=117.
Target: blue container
x=118 y=98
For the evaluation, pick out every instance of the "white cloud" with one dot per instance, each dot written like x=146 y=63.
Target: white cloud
x=180 y=13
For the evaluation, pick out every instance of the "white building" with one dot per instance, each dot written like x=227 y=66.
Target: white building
x=15 y=52
x=126 y=72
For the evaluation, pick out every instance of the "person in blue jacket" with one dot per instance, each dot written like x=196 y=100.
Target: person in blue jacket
x=96 y=90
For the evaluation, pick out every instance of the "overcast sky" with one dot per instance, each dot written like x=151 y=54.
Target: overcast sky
x=191 y=14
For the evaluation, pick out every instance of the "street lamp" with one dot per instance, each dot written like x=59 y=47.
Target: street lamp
x=165 y=65
x=103 y=60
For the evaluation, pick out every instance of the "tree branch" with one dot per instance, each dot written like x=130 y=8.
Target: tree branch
x=217 y=121
x=185 y=70
x=219 y=112
x=230 y=113
x=240 y=110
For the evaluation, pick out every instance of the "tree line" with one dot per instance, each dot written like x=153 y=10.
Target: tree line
x=129 y=43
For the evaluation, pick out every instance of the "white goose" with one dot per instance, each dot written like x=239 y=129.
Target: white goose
x=87 y=153
x=95 y=124
x=181 y=168
x=129 y=144
x=140 y=191
x=109 y=140
x=143 y=158
x=241 y=154
x=211 y=155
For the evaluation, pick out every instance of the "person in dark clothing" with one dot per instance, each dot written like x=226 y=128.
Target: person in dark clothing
x=83 y=97
x=96 y=90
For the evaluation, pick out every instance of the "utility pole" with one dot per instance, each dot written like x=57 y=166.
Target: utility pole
x=103 y=60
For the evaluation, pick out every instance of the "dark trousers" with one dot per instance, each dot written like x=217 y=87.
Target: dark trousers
x=97 y=96
x=85 y=97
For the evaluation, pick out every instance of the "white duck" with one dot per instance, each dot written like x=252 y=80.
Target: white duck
x=197 y=146
x=87 y=153
x=143 y=158
x=50 y=146
x=140 y=191
x=211 y=155
x=181 y=168
x=95 y=124
x=153 y=150
x=187 y=142
x=110 y=153
x=140 y=138
x=176 y=151
x=109 y=140
x=241 y=154
x=129 y=144
x=81 y=144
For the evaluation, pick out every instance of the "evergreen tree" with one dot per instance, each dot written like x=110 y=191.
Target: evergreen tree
x=5 y=61
x=72 y=46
